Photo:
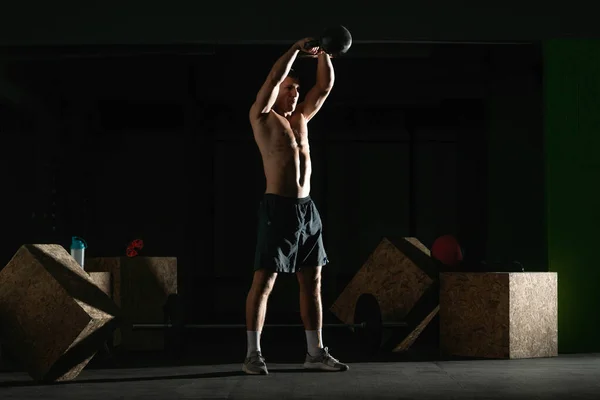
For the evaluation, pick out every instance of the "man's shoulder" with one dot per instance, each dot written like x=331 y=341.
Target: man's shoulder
x=268 y=120
x=257 y=117
x=262 y=125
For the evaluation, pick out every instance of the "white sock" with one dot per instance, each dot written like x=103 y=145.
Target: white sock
x=253 y=342
x=314 y=342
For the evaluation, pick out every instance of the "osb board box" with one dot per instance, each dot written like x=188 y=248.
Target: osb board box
x=499 y=315
x=103 y=281
x=140 y=286
x=53 y=316
x=397 y=274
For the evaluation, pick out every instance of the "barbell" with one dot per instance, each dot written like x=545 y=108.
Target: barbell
x=368 y=329
x=368 y=334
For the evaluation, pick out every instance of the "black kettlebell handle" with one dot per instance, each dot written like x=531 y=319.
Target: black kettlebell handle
x=312 y=43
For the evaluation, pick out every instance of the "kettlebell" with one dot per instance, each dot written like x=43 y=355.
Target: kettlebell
x=335 y=40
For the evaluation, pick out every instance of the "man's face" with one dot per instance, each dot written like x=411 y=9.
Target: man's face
x=287 y=99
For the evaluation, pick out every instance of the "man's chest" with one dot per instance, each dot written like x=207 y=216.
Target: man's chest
x=293 y=132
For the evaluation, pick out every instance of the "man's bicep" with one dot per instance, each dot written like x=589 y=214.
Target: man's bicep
x=265 y=98
x=313 y=102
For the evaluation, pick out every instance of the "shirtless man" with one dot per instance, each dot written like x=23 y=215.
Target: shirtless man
x=289 y=230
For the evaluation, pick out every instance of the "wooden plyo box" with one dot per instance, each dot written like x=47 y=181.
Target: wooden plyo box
x=499 y=315
x=140 y=286
x=103 y=281
x=395 y=274
x=53 y=316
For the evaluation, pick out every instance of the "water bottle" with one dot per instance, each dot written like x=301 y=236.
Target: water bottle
x=78 y=246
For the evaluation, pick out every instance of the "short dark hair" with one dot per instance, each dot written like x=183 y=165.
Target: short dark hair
x=293 y=74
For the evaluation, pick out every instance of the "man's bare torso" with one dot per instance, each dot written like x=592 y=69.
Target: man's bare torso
x=285 y=152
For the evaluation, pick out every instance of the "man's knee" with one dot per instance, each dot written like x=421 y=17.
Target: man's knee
x=309 y=279
x=263 y=281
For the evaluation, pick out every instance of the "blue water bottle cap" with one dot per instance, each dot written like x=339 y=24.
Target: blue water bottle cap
x=78 y=243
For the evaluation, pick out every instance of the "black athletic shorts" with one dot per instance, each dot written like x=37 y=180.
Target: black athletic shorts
x=290 y=235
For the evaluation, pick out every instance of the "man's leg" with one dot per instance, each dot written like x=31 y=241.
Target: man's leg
x=258 y=296
x=311 y=311
x=256 y=310
x=311 y=258
x=311 y=308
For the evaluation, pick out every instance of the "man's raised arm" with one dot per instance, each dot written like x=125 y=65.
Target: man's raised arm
x=317 y=94
x=268 y=92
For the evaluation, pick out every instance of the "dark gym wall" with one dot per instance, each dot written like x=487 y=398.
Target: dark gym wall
x=158 y=147
x=155 y=22
x=572 y=95
x=515 y=181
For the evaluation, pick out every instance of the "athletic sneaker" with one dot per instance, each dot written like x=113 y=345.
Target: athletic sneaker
x=324 y=362
x=255 y=364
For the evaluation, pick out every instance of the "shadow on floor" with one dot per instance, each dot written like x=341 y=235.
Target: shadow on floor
x=222 y=374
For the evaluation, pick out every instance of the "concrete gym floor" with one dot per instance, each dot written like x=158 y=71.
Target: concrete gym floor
x=210 y=369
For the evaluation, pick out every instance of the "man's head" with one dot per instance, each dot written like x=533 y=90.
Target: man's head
x=287 y=99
